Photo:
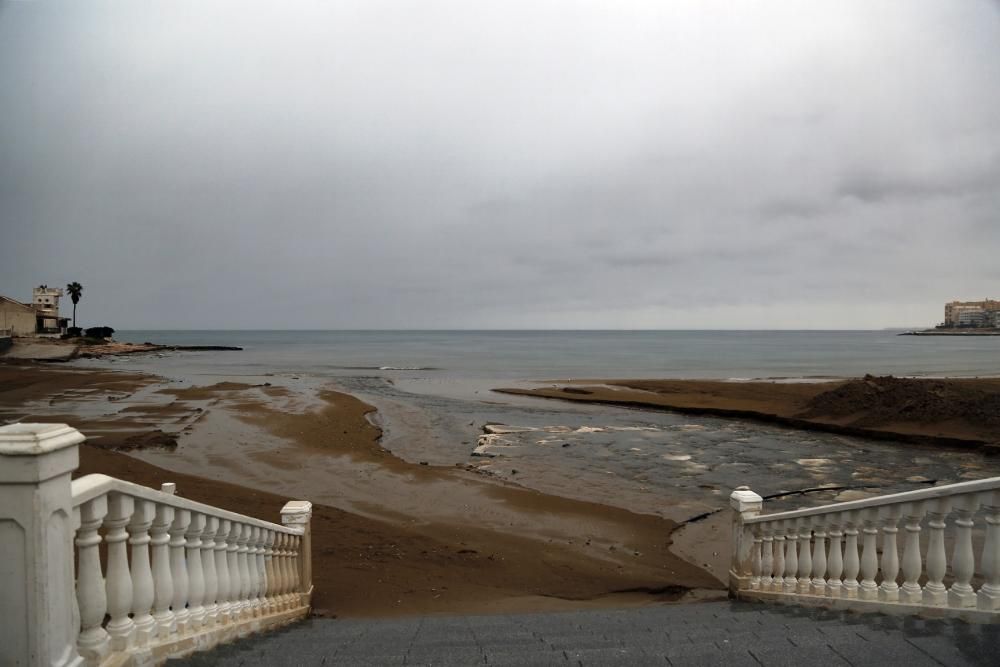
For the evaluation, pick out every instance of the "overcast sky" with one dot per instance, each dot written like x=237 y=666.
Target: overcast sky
x=294 y=164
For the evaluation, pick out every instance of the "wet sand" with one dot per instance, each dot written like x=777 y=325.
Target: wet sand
x=391 y=537
x=952 y=412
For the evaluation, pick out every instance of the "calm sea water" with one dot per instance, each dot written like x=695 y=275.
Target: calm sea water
x=564 y=354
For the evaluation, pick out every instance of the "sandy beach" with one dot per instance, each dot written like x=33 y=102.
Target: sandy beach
x=397 y=535
x=391 y=537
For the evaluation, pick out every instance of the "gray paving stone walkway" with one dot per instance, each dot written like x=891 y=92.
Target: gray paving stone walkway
x=713 y=633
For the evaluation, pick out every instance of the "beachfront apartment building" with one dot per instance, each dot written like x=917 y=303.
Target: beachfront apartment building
x=45 y=301
x=972 y=314
x=16 y=318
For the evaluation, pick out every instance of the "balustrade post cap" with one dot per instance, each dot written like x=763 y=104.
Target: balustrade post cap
x=37 y=439
x=296 y=512
x=743 y=499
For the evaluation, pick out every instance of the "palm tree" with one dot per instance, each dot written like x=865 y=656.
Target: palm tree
x=75 y=290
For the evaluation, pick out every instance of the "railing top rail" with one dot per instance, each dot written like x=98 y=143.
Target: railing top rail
x=932 y=493
x=89 y=487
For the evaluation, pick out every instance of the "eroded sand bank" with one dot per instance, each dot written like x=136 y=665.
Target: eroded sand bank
x=951 y=412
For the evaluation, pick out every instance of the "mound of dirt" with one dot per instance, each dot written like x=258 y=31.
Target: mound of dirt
x=888 y=399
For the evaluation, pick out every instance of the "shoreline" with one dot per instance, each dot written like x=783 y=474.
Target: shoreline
x=57 y=350
x=946 y=332
x=793 y=404
x=390 y=537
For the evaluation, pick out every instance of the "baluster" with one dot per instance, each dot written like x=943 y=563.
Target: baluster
x=852 y=565
x=93 y=642
x=163 y=585
x=208 y=570
x=805 y=557
x=963 y=560
x=142 y=574
x=910 y=592
x=869 y=557
x=119 y=581
x=819 y=558
x=777 y=581
x=835 y=561
x=755 y=559
x=888 y=591
x=283 y=569
x=234 y=572
x=254 y=573
x=295 y=565
x=245 y=611
x=767 y=559
x=269 y=573
x=988 y=597
x=935 y=594
x=261 y=542
x=791 y=557
x=196 y=578
x=178 y=569
x=278 y=572
x=222 y=571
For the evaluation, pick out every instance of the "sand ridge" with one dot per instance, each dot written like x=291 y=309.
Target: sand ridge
x=948 y=412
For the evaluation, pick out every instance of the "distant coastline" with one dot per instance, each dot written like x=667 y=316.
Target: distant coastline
x=57 y=350
x=952 y=332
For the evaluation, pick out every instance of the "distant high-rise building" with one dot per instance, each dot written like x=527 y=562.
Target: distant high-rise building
x=972 y=313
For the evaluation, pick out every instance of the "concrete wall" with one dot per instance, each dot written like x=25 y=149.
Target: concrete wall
x=17 y=317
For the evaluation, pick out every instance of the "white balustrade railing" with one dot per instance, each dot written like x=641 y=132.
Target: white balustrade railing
x=848 y=554
x=175 y=575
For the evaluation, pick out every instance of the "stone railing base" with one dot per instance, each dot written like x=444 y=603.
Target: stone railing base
x=203 y=640
x=969 y=614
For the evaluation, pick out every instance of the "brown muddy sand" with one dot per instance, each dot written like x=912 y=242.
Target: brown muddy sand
x=411 y=559
x=951 y=412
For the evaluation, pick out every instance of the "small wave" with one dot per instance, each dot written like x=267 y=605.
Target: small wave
x=389 y=368
x=407 y=368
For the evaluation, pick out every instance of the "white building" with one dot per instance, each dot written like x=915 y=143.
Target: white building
x=45 y=300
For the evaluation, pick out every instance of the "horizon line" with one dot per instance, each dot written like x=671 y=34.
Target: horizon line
x=462 y=329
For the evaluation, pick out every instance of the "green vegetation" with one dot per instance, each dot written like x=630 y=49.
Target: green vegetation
x=75 y=291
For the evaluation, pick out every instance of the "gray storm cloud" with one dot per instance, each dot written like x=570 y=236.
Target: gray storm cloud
x=519 y=164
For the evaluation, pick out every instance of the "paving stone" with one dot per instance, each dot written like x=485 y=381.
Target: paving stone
x=720 y=633
x=775 y=656
x=613 y=656
x=525 y=656
x=528 y=660
x=941 y=649
x=581 y=642
x=899 y=653
x=526 y=641
x=362 y=661
x=447 y=660
x=708 y=655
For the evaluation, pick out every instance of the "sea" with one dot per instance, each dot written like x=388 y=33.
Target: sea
x=609 y=354
x=433 y=393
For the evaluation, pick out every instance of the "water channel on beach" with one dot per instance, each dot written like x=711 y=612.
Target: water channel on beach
x=665 y=463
